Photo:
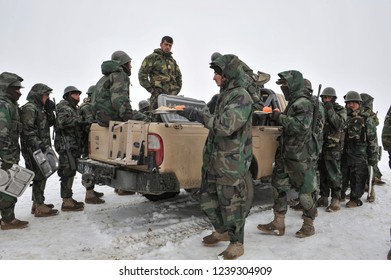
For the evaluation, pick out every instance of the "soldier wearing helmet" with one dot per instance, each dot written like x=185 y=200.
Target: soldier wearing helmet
x=111 y=97
x=144 y=106
x=10 y=129
x=360 y=149
x=159 y=72
x=68 y=145
x=330 y=158
x=37 y=116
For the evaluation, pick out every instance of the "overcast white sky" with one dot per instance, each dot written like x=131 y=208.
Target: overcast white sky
x=341 y=43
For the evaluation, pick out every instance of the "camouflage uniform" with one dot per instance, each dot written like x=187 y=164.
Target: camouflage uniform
x=68 y=132
x=160 y=74
x=37 y=120
x=87 y=113
x=228 y=151
x=360 y=150
x=386 y=134
x=296 y=155
x=111 y=98
x=330 y=158
x=10 y=129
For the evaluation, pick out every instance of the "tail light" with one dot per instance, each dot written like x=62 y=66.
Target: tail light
x=155 y=144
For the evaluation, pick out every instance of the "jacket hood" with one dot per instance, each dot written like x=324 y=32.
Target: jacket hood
x=7 y=79
x=111 y=66
x=367 y=100
x=36 y=92
x=231 y=70
x=295 y=83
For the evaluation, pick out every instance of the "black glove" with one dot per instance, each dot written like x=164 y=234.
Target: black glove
x=5 y=165
x=50 y=105
x=371 y=162
x=258 y=106
x=275 y=115
x=41 y=146
x=192 y=114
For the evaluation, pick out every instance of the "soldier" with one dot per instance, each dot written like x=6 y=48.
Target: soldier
x=227 y=156
x=68 y=145
x=386 y=135
x=360 y=149
x=111 y=101
x=367 y=104
x=159 y=72
x=87 y=113
x=143 y=106
x=10 y=129
x=296 y=156
x=330 y=158
x=37 y=116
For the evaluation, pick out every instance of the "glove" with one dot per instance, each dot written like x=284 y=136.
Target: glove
x=258 y=106
x=50 y=105
x=192 y=114
x=328 y=105
x=6 y=165
x=41 y=146
x=275 y=115
x=371 y=162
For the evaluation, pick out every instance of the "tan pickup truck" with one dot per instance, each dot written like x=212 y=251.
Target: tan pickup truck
x=157 y=159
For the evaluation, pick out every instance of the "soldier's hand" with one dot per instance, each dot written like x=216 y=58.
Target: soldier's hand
x=328 y=105
x=371 y=162
x=192 y=114
x=50 y=105
x=6 y=165
x=275 y=115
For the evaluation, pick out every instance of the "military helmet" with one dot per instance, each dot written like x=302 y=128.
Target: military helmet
x=69 y=89
x=215 y=55
x=41 y=89
x=121 y=56
x=329 y=91
x=10 y=79
x=143 y=104
x=353 y=96
x=90 y=90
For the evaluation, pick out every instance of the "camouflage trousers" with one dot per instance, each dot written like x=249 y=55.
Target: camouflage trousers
x=354 y=175
x=330 y=177
x=39 y=182
x=225 y=206
x=7 y=207
x=304 y=181
x=67 y=175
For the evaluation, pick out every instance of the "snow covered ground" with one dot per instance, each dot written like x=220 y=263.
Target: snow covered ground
x=133 y=228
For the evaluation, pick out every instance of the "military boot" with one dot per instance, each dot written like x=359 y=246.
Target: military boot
x=124 y=192
x=323 y=201
x=307 y=228
x=14 y=224
x=98 y=194
x=277 y=226
x=69 y=204
x=34 y=205
x=42 y=210
x=233 y=251
x=335 y=205
x=214 y=238
x=92 y=198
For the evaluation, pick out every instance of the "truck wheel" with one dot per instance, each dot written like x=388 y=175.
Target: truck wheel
x=250 y=192
x=157 y=197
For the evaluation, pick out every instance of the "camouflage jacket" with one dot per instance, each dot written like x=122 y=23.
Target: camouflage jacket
x=160 y=73
x=36 y=124
x=360 y=137
x=386 y=132
x=333 y=130
x=67 y=127
x=111 y=98
x=228 y=149
x=298 y=144
x=10 y=128
x=87 y=113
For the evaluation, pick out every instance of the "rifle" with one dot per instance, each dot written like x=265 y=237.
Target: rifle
x=67 y=146
x=316 y=110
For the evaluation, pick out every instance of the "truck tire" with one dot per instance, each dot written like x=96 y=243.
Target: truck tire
x=157 y=197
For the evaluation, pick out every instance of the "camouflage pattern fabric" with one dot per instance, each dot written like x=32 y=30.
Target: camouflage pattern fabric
x=67 y=125
x=297 y=152
x=228 y=152
x=36 y=132
x=10 y=129
x=87 y=113
x=386 y=132
x=160 y=74
x=330 y=158
x=111 y=98
x=360 y=150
